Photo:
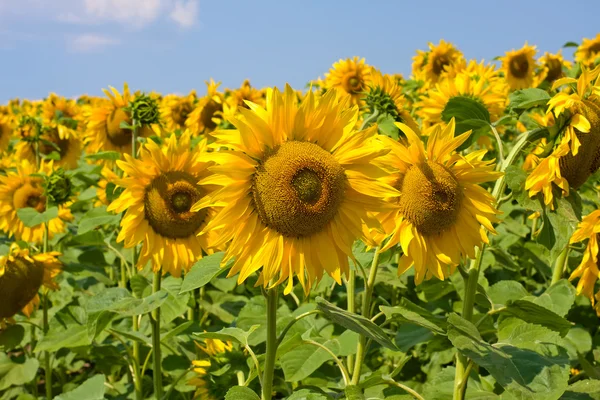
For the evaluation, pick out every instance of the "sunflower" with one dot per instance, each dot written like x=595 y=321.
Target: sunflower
x=54 y=139
x=207 y=388
x=298 y=179
x=20 y=190
x=588 y=52
x=477 y=83
x=201 y=119
x=174 y=110
x=6 y=130
x=104 y=131
x=21 y=276
x=386 y=96
x=575 y=157
x=552 y=67
x=160 y=188
x=429 y=66
x=237 y=98
x=59 y=109
x=108 y=176
x=588 y=271
x=518 y=67
x=350 y=76
x=442 y=212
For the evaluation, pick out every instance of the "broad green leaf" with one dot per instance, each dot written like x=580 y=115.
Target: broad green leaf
x=305 y=359
x=254 y=313
x=228 y=334
x=241 y=393
x=202 y=272
x=524 y=99
x=408 y=311
x=463 y=108
x=176 y=304
x=309 y=394
x=504 y=292
x=409 y=335
x=588 y=389
x=134 y=335
x=92 y=389
x=176 y=331
x=96 y=217
x=68 y=329
x=14 y=373
x=11 y=337
x=138 y=285
x=535 y=314
x=559 y=297
x=386 y=126
x=90 y=238
x=355 y=322
x=571 y=44
x=31 y=217
x=120 y=301
x=104 y=155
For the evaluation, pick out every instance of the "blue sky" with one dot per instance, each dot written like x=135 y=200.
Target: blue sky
x=81 y=46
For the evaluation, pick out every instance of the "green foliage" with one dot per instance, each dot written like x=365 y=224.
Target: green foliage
x=32 y=217
x=524 y=99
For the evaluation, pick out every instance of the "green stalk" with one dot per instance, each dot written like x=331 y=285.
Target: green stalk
x=155 y=320
x=366 y=311
x=47 y=363
x=560 y=264
x=350 y=284
x=269 y=371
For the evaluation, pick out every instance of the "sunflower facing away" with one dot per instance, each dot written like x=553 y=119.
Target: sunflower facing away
x=207 y=108
x=429 y=66
x=518 y=67
x=442 y=212
x=350 y=76
x=211 y=387
x=588 y=52
x=21 y=276
x=20 y=190
x=160 y=188
x=298 y=179
x=552 y=66
x=174 y=110
x=576 y=157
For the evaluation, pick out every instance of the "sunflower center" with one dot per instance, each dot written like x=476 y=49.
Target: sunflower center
x=554 y=69
x=29 y=195
x=594 y=48
x=19 y=285
x=181 y=112
x=431 y=197
x=439 y=63
x=298 y=189
x=167 y=204
x=116 y=135
x=53 y=142
x=519 y=66
x=353 y=84
x=208 y=112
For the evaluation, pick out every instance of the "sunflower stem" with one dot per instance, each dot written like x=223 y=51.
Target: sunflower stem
x=366 y=311
x=155 y=319
x=350 y=284
x=367 y=121
x=133 y=139
x=269 y=371
x=560 y=264
x=47 y=363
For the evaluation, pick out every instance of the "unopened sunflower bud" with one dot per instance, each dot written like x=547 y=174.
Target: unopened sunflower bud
x=58 y=187
x=144 y=110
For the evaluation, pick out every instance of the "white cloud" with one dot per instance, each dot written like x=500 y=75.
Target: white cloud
x=130 y=12
x=90 y=42
x=185 y=14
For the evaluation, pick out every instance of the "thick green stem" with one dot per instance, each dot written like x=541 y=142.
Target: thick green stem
x=134 y=132
x=350 y=284
x=366 y=312
x=559 y=265
x=155 y=320
x=269 y=371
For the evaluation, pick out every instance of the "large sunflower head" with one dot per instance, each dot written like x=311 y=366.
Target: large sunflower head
x=552 y=67
x=298 y=178
x=588 y=52
x=518 y=67
x=429 y=66
x=108 y=120
x=160 y=189
x=207 y=109
x=58 y=142
x=588 y=271
x=21 y=276
x=443 y=212
x=351 y=76
x=175 y=109
x=576 y=154
x=18 y=189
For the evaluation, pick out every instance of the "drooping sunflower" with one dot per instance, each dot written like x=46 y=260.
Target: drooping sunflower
x=481 y=84
x=298 y=179
x=576 y=156
x=519 y=67
x=429 y=66
x=160 y=188
x=174 y=110
x=20 y=190
x=55 y=138
x=351 y=76
x=552 y=67
x=211 y=387
x=587 y=271
x=21 y=276
x=104 y=130
x=201 y=119
x=588 y=51
x=385 y=95
x=443 y=212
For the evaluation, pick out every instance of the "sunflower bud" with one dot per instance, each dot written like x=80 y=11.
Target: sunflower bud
x=144 y=110
x=377 y=98
x=58 y=187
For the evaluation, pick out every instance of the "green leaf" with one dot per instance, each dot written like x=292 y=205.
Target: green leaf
x=504 y=292
x=526 y=366
x=11 y=337
x=536 y=314
x=138 y=285
x=96 y=217
x=134 y=335
x=241 y=393
x=104 y=155
x=463 y=109
x=92 y=389
x=408 y=311
x=67 y=330
x=559 y=297
x=386 y=126
x=355 y=322
x=176 y=331
x=571 y=44
x=31 y=217
x=588 y=389
x=202 y=272
x=120 y=301
x=15 y=374
x=524 y=99
x=302 y=361
x=309 y=394
x=90 y=238
x=229 y=334
x=176 y=304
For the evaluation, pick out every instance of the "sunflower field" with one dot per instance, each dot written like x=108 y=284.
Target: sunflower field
x=370 y=236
